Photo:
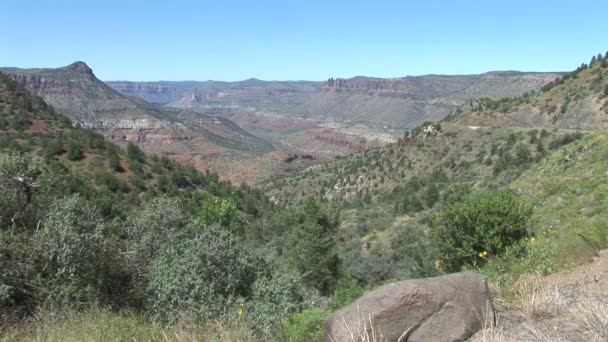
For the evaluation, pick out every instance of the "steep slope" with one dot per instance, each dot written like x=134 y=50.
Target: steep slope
x=577 y=100
x=83 y=98
x=183 y=135
x=485 y=157
x=86 y=163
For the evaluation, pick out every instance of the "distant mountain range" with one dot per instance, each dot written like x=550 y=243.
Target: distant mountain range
x=399 y=102
x=236 y=128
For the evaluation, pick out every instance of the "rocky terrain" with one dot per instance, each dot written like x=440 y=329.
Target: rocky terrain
x=576 y=101
x=183 y=135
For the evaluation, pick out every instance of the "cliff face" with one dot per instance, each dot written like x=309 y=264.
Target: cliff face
x=155 y=93
x=409 y=101
x=401 y=102
x=75 y=91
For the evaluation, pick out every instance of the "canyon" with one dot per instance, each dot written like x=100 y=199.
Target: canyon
x=243 y=130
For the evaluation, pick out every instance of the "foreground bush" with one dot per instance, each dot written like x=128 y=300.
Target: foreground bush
x=486 y=225
x=201 y=277
x=306 y=326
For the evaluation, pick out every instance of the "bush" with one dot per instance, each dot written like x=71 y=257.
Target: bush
x=275 y=297
x=306 y=326
x=469 y=232
x=74 y=245
x=149 y=229
x=200 y=277
x=346 y=292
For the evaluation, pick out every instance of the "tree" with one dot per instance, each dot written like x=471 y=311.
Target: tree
x=522 y=154
x=310 y=248
x=468 y=232
x=74 y=152
x=210 y=209
x=134 y=153
x=114 y=161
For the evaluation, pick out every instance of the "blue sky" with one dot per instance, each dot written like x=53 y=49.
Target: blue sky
x=313 y=40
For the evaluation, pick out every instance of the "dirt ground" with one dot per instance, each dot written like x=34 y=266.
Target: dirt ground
x=565 y=306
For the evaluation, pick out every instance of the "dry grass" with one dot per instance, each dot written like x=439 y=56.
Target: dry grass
x=105 y=325
x=535 y=300
x=491 y=334
x=592 y=316
x=362 y=331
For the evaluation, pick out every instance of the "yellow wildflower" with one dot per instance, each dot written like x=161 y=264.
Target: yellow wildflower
x=437 y=264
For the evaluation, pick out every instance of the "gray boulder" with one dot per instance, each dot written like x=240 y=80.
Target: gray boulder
x=446 y=308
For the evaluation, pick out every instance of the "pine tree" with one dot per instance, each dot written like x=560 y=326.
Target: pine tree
x=74 y=151
x=311 y=248
x=134 y=153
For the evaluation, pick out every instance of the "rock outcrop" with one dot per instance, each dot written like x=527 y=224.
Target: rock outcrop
x=446 y=308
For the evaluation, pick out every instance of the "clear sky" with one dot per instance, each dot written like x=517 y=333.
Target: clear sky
x=309 y=39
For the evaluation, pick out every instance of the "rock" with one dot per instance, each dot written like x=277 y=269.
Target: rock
x=446 y=308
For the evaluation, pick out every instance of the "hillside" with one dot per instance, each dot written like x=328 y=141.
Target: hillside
x=477 y=157
x=577 y=100
x=85 y=223
x=29 y=125
x=522 y=200
x=337 y=117
x=182 y=135
x=400 y=203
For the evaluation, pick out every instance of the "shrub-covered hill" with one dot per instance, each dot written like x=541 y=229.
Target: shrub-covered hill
x=109 y=175
x=569 y=190
x=85 y=223
x=424 y=164
x=577 y=100
x=501 y=200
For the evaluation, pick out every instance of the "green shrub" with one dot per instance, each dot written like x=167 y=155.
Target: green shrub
x=306 y=326
x=274 y=297
x=470 y=232
x=150 y=228
x=200 y=277
x=346 y=292
x=75 y=252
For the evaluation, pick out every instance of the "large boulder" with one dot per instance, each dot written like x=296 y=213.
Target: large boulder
x=446 y=308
